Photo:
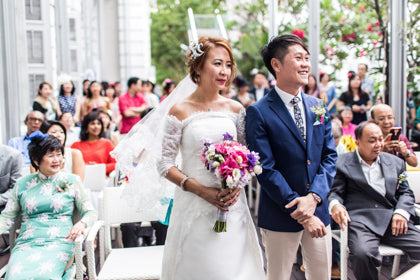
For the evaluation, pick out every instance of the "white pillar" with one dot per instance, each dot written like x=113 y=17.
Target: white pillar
x=313 y=34
x=398 y=65
x=273 y=28
x=62 y=37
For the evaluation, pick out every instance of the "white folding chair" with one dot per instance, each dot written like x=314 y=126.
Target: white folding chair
x=413 y=178
x=121 y=263
x=95 y=181
x=384 y=250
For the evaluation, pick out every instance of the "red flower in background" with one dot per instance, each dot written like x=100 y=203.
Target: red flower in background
x=362 y=9
x=330 y=51
x=362 y=53
x=377 y=23
x=299 y=33
x=348 y=5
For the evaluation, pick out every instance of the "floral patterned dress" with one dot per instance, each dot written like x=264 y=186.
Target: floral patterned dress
x=46 y=205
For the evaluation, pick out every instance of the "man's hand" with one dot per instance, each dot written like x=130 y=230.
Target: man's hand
x=399 y=224
x=402 y=148
x=340 y=215
x=315 y=227
x=390 y=145
x=306 y=206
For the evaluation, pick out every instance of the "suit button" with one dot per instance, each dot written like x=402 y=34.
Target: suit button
x=308 y=186
x=308 y=162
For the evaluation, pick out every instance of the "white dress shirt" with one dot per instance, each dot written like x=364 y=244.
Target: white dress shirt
x=259 y=93
x=375 y=178
x=287 y=98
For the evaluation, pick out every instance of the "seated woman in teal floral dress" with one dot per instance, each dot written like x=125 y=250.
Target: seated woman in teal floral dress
x=46 y=200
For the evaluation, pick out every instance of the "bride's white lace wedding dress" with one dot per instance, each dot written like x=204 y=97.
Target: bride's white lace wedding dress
x=193 y=250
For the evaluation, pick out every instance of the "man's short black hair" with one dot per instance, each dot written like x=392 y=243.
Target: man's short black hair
x=278 y=47
x=132 y=81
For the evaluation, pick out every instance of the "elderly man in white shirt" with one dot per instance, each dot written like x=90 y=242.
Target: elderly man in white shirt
x=371 y=196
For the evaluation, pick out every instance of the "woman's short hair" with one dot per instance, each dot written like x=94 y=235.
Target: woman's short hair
x=41 y=85
x=197 y=63
x=40 y=146
x=92 y=116
x=47 y=124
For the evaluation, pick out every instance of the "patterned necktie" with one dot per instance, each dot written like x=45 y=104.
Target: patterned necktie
x=298 y=116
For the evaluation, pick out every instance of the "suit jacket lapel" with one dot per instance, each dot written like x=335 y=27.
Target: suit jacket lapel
x=390 y=181
x=310 y=119
x=355 y=170
x=277 y=105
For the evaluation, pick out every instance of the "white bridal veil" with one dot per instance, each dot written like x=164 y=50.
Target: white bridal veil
x=139 y=152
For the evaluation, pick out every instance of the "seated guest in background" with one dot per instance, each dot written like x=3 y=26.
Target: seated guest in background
x=72 y=158
x=383 y=116
x=348 y=127
x=67 y=99
x=132 y=104
x=33 y=122
x=151 y=98
x=370 y=196
x=10 y=171
x=110 y=128
x=329 y=90
x=355 y=98
x=94 y=99
x=338 y=134
x=113 y=99
x=45 y=200
x=45 y=104
x=168 y=87
x=72 y=132
x=312 y=87
x=94 y=147
x=260 y=89
x=242 y=95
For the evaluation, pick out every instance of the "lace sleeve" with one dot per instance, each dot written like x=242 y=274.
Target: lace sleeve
x=240 y=126
x=170 y=145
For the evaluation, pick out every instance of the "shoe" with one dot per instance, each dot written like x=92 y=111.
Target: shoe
x=335 y=271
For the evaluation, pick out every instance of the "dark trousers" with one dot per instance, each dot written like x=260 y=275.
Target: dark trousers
x=364 y=253
x=131 y=234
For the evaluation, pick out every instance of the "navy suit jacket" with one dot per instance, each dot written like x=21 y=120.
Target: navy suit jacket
x=291 y=167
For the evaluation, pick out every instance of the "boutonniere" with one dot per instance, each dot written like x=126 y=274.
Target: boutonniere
x=402 y=178
x=63 y=186
x=320 y=112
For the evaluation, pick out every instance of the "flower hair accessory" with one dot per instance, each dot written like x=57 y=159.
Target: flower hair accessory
x=195 y=49
x=38 y=134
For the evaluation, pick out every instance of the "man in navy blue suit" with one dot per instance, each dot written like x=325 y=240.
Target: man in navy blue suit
x=298 y=156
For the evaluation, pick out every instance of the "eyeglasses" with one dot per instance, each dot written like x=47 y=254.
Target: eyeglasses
x=381 y=119
x=31 y=119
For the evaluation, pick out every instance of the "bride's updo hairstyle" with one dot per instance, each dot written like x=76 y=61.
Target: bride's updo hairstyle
x=205 y=44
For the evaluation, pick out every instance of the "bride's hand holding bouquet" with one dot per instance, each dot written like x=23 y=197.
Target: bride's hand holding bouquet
x=234 y=165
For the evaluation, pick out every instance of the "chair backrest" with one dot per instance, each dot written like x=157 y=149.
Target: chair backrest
x=95 y=177
x=414 y=182
x=116 y=210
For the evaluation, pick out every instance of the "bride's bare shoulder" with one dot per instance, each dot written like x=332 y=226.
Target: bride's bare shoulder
x=180 y=110
x=234 y=105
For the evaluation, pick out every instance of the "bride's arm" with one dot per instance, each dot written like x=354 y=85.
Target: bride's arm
x=170 y=146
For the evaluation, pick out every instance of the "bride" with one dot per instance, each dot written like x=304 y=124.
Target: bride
x=192 y=249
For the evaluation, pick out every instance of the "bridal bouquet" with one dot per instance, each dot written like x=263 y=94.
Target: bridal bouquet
x=233 y=164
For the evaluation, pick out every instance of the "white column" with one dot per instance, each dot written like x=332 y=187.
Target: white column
x=273 y=28
x=313 y=34
x=398 y=65
x=62 y=37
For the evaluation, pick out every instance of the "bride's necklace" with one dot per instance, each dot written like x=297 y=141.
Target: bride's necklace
x=45 y=183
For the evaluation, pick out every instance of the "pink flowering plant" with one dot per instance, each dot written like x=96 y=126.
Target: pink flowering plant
x=233 y=164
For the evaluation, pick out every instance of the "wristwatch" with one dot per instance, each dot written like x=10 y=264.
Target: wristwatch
x=317 y=198
x=409 y=154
